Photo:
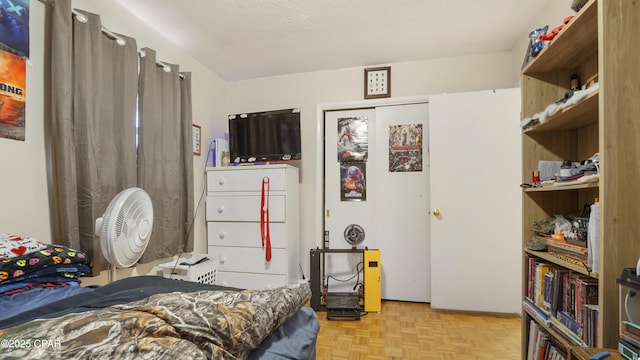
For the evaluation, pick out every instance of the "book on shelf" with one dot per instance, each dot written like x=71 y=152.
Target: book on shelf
x=590 y=313
x=540 y=283
x=567 y=298
x=586 y=294
x=568 y=293
x=548 y=291
x=536 y=312
x=541 y=345
x=570 y=323
x=564 y=332
x=538 y=342
x=559 y=274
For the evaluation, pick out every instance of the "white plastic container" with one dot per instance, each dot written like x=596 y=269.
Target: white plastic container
x=204 y=272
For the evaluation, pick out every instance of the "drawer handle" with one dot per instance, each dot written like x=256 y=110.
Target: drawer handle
x=221 y=181
x=223 y=259
x=222 y=234
x=220 y=209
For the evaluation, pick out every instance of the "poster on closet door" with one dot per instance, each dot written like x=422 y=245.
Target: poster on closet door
x=14 y=26
x=12 y=96
x=405 y=148
x=352 y=180
x=353 y=139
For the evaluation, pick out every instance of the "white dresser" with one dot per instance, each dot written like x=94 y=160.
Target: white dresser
x=233 y=210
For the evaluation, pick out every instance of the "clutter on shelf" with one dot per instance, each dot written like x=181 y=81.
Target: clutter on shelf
x=556 y=30
x=567 y=172
x=538 y=38
x=567 y=237
x=571 y=98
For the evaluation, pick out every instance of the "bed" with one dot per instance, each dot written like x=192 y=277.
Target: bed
x=45 y=313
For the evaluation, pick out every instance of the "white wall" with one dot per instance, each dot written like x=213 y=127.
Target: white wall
x=24 y=192
x=307 y=90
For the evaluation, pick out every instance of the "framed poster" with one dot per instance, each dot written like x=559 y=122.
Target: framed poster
x=353 y=139
x=352 y=181
x=12 y=96
x=405 y=148
x=14 y=32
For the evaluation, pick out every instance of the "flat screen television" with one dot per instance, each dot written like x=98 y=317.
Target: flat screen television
x=265 y=136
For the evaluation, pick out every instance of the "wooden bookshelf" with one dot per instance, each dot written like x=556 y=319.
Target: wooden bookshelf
x=601 y=39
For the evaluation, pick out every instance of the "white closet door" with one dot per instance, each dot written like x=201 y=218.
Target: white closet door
x=395 y=213
x=475 y=177
x=403 y=203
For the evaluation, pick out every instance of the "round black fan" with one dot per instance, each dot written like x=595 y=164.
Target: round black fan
x=354 y=234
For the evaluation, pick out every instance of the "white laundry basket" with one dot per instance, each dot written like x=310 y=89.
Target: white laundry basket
x=204 y=272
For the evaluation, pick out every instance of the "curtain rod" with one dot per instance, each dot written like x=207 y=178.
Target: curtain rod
x=83 y=19
x=161 y=64
x=119 y=40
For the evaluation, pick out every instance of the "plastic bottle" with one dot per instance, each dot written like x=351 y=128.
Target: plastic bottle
x=593 y=237
x=575 y=82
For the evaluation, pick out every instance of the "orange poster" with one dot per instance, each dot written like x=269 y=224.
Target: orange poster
x=12 y=96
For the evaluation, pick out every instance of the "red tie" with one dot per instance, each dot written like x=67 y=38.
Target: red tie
x=264 y=217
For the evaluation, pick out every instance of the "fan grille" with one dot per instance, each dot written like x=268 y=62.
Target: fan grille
x=354 y=234
x=126 y=227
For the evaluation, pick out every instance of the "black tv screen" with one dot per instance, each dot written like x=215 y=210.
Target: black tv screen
x=265 y=136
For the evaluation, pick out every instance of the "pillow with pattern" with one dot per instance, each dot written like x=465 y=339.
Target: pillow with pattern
x=12 y=245
x=51 y=255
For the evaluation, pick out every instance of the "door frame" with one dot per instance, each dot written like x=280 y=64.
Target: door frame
x=351 y=105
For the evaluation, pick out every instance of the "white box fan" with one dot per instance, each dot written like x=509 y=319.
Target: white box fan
x=125 y=229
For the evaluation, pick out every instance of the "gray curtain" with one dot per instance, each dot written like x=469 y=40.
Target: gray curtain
x=163 y=156
x=93 y=142
x=186 y=122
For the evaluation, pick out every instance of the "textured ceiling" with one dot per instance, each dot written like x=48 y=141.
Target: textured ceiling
x=241 y=39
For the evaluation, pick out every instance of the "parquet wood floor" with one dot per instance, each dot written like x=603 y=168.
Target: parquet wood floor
x=405 y=330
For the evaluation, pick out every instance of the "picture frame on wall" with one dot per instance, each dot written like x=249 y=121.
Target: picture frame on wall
x=377 y=82
x=197 y=138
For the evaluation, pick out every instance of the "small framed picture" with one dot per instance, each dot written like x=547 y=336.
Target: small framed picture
x=377 y=82
x=197 y=137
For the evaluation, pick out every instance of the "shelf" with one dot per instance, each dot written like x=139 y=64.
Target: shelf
x=591 y=185
x=574 y=117
x=571 y=266
x=558 y=338
x=578 y=40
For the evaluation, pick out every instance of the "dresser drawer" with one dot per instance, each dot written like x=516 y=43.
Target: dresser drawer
x=250 y=260
x=244 y=234
x=250 y=281
x=244 y=208
x=245 y=179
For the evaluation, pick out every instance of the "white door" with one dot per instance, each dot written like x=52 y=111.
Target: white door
x=394 y=212
x=475 y=176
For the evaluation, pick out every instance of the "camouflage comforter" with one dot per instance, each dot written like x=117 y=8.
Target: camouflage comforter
x=195 y=325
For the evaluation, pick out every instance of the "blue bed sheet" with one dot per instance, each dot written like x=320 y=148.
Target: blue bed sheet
x=17 y=303
x=295 y=339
